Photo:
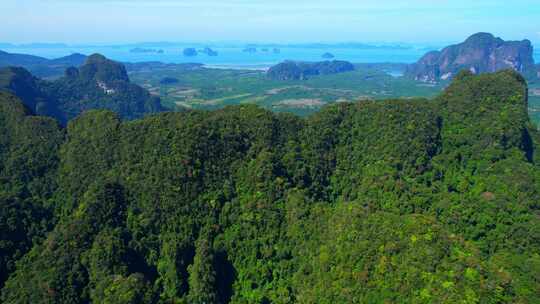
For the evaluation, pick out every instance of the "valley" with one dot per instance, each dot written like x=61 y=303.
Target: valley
x=208 y=89
x=204 y=88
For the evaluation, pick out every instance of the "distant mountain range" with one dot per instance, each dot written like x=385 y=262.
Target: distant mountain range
x=54 y=68
x=39 y=66
x=480 y=53
x=99 y=83
x=164 y=44
x=33 y=45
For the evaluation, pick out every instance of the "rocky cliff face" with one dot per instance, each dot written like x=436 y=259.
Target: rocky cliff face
x=480 y=53
x=99 y=68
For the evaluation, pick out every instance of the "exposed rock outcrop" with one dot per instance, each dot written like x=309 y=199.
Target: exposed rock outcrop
x=480 y=53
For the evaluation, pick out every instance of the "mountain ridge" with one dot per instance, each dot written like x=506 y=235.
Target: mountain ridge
x=99 y=83
x=479 y=53
x=413 y=201
x=40 y=66
x=299 y=70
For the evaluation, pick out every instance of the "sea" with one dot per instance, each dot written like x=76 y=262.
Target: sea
x=235 y=56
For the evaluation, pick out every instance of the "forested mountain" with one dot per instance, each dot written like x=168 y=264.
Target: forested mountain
x=29 y=89
x=28 y=163
x=9 y=59
x=398 y=201
x=292 y=70
x=480 y=53
x=98 y=84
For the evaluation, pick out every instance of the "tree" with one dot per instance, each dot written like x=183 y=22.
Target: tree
x=202 y=276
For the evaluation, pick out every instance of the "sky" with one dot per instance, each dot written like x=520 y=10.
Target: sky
x=282 y=21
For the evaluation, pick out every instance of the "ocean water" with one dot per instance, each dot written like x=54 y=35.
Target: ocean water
x=233 y=56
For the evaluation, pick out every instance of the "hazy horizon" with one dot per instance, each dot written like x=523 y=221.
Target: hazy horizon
x=258 y=21
x=240 y=43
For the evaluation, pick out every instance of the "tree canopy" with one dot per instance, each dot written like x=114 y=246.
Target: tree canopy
x=396 y=201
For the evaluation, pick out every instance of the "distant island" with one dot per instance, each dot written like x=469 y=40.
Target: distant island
x=40 y=45
x=276 y=51
x=143 y=50
x=250 y=50
x=291 y=70
x=210 y=52
x=328 y=56
x=480 y=53
x=190 y=52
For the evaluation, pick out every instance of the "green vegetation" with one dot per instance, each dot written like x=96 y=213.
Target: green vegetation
x=28 y=162
x=98 y=84
x=210 y=89
x=291 y=70
x=534 y=109
x=420 y=201
x=39 y=66
x=534 y=102
x=195 y=87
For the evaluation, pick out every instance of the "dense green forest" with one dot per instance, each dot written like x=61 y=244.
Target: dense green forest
x=291 y=70
x=396 y=201
x=99 y=83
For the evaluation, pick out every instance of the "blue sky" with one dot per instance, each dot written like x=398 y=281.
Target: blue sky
x=119 y=21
